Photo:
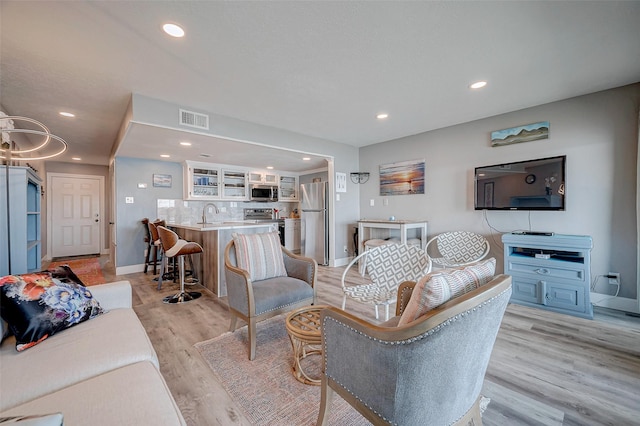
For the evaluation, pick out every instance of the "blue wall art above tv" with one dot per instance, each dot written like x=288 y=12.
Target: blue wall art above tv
x=522 y=185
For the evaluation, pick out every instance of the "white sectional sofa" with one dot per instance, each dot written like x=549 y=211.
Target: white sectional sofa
x=101 y=372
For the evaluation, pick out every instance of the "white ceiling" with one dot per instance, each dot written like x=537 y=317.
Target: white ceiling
x=318 y=68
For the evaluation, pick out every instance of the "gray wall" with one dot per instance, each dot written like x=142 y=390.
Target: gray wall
x=157 y=112
x=599 y=135
x=130 y=233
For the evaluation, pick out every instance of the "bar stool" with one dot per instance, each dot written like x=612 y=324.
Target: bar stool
x=147 y=239
x=174 y=247
x=153 y=244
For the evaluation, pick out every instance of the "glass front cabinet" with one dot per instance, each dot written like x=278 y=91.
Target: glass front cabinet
x=288 y=188
x=202 y=181
x=209 y=181
x=234 y=184
x=260 y=177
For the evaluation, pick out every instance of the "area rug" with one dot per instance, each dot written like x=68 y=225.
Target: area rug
x=265 y=389
x=87 y=269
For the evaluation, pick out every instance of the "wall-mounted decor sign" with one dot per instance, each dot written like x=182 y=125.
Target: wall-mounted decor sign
x=527 y=133
x=162 y=181
x=341 y=182
x=403 y=178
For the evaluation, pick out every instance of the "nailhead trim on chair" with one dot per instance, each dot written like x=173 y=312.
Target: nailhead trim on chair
x=401 y=342
x=277 y=307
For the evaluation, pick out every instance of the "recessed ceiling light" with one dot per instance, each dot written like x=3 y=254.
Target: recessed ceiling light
x=306 y=158
x=76 y=158
x=185 y=143
x=173 y=30
x=478 y=85
x=270 y=167
x=165 y=155
x=382 y=116
x=67 y=114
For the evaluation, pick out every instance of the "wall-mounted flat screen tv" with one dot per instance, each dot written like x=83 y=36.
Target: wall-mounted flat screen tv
x=523 y=185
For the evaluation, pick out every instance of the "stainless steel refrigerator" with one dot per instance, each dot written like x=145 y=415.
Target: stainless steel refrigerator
x=315 y=220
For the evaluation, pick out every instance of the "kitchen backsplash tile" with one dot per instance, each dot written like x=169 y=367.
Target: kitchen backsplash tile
x=189 y=212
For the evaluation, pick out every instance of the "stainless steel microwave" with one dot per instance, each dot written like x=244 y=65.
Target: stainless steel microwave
x=263 y=193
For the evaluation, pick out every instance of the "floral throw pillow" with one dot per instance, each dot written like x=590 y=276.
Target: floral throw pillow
x=36 y=306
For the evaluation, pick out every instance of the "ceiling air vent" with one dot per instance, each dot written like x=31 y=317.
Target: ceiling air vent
x=194 y=119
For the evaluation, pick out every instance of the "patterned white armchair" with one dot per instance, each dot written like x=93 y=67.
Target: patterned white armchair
x=457 y=248
x=387 y=267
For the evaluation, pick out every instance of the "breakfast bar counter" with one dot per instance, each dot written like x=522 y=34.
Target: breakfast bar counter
x=213 y=237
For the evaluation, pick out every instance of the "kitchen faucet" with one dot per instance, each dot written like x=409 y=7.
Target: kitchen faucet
x=204 y=211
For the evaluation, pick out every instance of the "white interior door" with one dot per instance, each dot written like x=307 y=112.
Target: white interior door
x=75 y=215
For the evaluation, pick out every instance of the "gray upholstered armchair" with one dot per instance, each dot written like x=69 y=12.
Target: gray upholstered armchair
x=427 y=372
x=254 y=301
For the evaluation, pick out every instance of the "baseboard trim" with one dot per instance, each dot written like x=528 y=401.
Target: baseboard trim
x=614 y=302
x=340 y=262
x=130 y=269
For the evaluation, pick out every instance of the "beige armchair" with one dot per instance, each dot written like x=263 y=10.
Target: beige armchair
x=254 y=301
x=427 y=372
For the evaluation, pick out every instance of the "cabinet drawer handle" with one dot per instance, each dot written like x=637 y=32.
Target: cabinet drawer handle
x=542 y=271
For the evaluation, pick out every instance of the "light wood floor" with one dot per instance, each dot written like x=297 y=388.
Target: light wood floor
x=546 y=368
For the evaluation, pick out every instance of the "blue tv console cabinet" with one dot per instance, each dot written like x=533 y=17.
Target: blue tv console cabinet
x=550 y=271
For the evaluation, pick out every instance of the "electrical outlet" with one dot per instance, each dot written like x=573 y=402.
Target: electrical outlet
x=345 y=249
x=385 y=201
x=616 y=280
x=372 y=202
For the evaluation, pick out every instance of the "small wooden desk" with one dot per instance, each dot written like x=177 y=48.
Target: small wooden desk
x=403 y=225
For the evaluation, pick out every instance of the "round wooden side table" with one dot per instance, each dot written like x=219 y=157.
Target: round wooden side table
x=303 y=326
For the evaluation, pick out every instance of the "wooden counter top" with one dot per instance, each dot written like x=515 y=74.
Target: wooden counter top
x=216 y=226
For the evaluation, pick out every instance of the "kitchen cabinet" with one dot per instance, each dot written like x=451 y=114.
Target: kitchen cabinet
x=25 y=220
x=260 y=177
x=288 y=190
x=201 y=181
x=234 y=185
x=550 y=271
x=292 y=235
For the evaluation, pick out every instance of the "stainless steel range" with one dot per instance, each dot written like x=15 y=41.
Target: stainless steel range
x=266 y=215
